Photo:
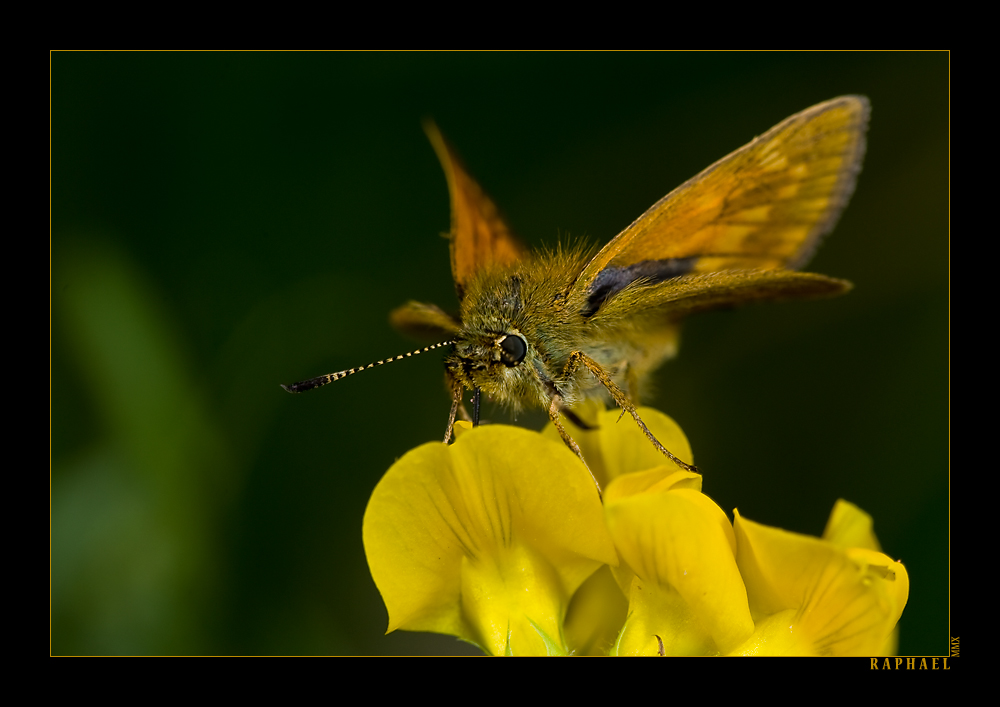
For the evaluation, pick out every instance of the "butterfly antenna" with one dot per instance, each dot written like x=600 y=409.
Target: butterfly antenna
x=303 y=386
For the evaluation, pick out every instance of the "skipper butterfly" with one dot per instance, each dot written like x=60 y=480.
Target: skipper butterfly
x=553 y=327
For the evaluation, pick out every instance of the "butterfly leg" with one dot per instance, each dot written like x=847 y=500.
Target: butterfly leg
x=578 y=358
x=554 y=407
x=456 y=400
x=458 y=410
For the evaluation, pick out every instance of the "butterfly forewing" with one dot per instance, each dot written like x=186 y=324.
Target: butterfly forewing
x=480 y=239
x=762 y=207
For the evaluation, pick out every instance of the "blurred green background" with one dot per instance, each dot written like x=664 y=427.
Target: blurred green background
x=225 y=222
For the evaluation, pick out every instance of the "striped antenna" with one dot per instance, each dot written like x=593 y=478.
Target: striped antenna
x=303 y=386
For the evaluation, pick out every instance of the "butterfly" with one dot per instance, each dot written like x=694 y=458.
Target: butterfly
x=553 y=327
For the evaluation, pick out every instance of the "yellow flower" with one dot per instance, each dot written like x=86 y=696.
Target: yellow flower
x=812 y=596
x=486 y=539
x=491 y=538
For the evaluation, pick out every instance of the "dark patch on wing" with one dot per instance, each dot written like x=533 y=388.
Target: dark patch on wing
x=611 y=281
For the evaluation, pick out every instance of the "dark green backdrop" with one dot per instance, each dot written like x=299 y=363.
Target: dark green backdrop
x=225 y=222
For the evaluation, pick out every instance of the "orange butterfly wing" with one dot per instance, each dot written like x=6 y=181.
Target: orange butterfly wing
x=763 y=207
x=479 y=237
x=480 y=240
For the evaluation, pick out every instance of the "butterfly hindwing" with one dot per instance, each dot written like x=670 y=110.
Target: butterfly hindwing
x=649 y=306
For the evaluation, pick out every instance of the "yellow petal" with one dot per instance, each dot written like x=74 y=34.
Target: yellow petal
x=595 y=615
x=661 y=478
x=849 y=526
x=778 y=635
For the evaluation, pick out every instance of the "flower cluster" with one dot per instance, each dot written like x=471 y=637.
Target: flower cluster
x=502 y=540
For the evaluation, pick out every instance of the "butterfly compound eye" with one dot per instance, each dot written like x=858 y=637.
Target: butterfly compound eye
x=512 y=350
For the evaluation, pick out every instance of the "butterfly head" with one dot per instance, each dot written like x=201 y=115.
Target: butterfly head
x=498 y=362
